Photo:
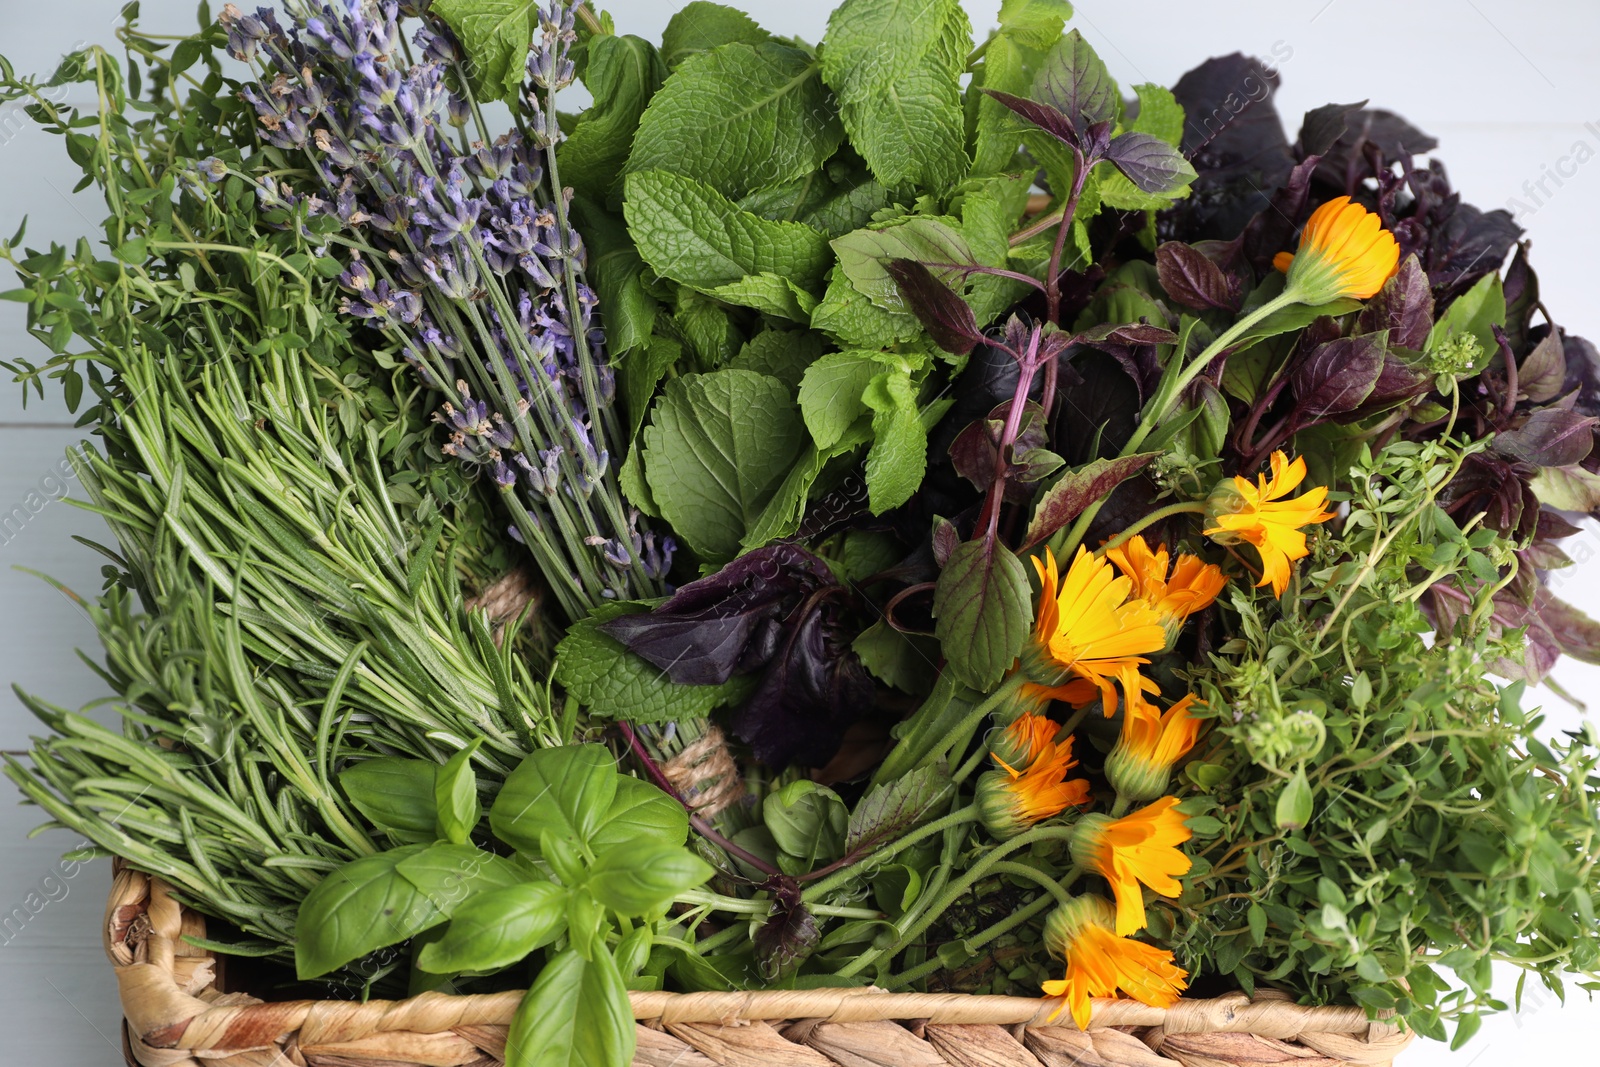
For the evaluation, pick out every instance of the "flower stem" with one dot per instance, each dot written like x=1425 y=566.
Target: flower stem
x=1186 y=507
x=840 y=875
x=999 y=929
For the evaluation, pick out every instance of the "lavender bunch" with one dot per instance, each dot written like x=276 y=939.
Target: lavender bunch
x=462 y=254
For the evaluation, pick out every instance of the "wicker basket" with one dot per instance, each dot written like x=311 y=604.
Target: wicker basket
x=176 y=1016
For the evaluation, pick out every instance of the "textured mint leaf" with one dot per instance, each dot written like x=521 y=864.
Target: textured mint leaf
x=899 y=455
x=1075 y=82
x=496 y=36
x=717 y=449
x=706 y=328
x=702 y=26
x=831 y=393
x=896 y=67
x=782 y=354
x=905 y=661
x=613 y=683
x=982 y=613
x=769 y=293
x=1035 y=23
x=865 y=255
x=999 y=129
x=1160 y=114
x=853 y=321
x=740 y=117
x=692 y=234
x=835 y=207
x=787 y=508
x=622 y=75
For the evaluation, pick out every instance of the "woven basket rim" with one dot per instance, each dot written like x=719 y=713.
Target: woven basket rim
x=170 y=1001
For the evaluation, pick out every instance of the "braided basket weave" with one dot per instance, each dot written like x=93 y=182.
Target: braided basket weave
x=177 y=1017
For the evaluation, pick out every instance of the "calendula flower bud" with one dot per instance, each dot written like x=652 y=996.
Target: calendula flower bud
x=1011 y=800
x=1018 y=745
x=1100 y=963
x=1151 y=743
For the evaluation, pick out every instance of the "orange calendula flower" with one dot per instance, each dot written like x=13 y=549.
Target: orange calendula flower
x=1088 y=633
x=1259 y=514
x=1191 y=586
x=1100 y=963
x=1150 y=745
x=1012 y=799
x=1344 y=252
x=1138 y=849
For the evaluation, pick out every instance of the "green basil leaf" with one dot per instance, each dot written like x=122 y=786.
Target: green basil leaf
x=359 y=908
x=396 y=795
x=455 y=794
x=807 y=820
x=641 y=813
x=638 y=879
x=576 y=1014
x=449 y=874
x=565 y=790
x=498 y=929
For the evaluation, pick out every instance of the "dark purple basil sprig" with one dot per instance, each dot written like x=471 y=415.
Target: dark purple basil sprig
x=776 y=612
x=462 y=254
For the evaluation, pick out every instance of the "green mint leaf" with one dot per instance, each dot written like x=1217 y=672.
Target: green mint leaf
x=1075 y=82
x=833 y=206
x=496 y=36
x=740 y=117
x=854 y=321
x=771 y=294
x=999 y=133
x=982 y=612
x=1160 y=114
x=359 y=908
x=613 y=683
x=638 y=374
x=716 y=450
x=781 y=354
x=934 y=242
x=706 y=327
x=702 y=26
x=896 y=67
x=497 y=929
x=562 y=791
x=899 y=455
x=396 y=794
x=623 y=73
x=1035 y=23
x=692 y=234
x=831 y=393
x=575 y=1015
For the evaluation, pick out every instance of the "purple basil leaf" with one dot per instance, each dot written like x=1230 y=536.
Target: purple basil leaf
x=1347 y=163
x=946 y=538
x=1234 y=138
x=1044 y=116
x=974 y=449
x=1552 y=437
x=1108 y=336
x=1277 y=228
x=813 y=689
x=1553 y=527
x=1074 y=82
x=1336 y=377
x=1399 y=380
x=1150 y=163
x=1522 y=299
x=726 y=623
x=1072 y=495
x=1576 y=633
x=1323 y=126
x=786 y=939
x=1404 y=307
x=1541 y=375
x=1194 y=281
x=943 y=313
x=1495 y=488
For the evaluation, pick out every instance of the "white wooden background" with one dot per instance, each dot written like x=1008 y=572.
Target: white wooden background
x=1510 y=88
